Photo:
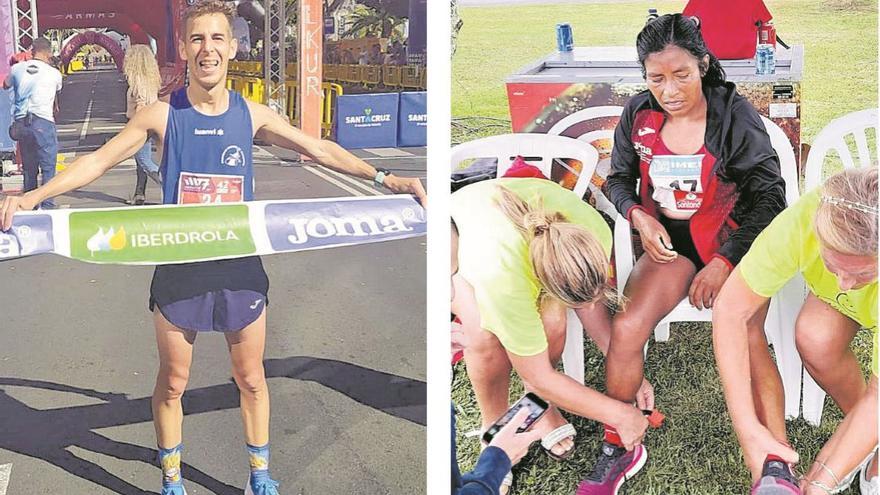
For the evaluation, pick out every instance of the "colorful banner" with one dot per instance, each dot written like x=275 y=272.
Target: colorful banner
x=367 y=121
x=149 y=235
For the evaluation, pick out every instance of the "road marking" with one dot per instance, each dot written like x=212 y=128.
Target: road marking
x=262 y=153
x=386 y=152
x=331 y=180
x=110 y=128
x=5 y=472
x=369 y=189
x=85 y=124
x=65 y=130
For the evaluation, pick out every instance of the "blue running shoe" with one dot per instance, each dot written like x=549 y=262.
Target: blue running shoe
x=173 y=489
x=260 y=483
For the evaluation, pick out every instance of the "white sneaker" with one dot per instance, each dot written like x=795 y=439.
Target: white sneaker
x=866 y=486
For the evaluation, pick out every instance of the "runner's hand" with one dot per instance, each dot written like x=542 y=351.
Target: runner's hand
x=655 y=239
x=645 y=396
x=759 y=443
x=407 y=185
x=631 y=427
x=514 y=444
x=9 y=206
x=707 y=284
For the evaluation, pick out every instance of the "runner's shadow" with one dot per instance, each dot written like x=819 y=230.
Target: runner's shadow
x=47 y=434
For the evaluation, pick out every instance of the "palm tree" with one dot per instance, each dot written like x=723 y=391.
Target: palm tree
x=371 y=22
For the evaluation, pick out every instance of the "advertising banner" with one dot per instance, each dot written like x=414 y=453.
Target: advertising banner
x=412 y=126
x=188 y=233
x=367 y=121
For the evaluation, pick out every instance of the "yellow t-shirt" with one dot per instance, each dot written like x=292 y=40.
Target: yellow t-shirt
x=494 y=257
x=789 y=245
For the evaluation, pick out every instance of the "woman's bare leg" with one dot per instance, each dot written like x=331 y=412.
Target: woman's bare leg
x=487 y=364
x=653 y=290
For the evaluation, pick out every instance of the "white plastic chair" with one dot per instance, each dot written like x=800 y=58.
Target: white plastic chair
x=592 y=137
x=541 y=149
x=833 y=137
x=779 y=325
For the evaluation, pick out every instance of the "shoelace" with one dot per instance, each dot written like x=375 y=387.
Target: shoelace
x=603 y=465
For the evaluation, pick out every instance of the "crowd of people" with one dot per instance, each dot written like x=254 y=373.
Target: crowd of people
x=694 y=171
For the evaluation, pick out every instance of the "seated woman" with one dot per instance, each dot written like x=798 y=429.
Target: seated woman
x=529 y=249
x=708 y=183
x=830 y=237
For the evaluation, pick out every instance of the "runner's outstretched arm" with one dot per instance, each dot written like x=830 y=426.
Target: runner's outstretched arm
x=88 y=168
x=274 y=129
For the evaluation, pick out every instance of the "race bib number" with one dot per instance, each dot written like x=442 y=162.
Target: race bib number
x=209 y=188
x=678 y=187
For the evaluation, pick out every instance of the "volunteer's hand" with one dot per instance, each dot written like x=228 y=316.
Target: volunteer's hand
x=514 y=444
x=654 y=236
x=759 y=443
x=645 y=396
x=707 y=284
x=407 y=185
x=12 y=204
x=631 y=427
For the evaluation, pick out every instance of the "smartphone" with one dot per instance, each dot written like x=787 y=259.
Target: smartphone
x=536 y=406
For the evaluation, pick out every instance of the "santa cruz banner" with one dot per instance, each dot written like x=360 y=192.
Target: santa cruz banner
x=188 y=233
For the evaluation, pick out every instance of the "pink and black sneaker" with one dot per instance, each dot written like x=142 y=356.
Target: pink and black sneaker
x=776 y=479
x=614 y=466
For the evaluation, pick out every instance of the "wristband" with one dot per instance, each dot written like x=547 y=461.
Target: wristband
x=381 y=174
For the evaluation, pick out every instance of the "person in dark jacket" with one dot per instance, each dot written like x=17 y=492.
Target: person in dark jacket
x=693 y=170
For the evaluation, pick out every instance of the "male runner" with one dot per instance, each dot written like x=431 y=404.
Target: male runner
x=208 y=134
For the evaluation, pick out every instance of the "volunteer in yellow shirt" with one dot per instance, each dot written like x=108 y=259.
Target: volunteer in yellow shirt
x=830 y=237
x=529 y=249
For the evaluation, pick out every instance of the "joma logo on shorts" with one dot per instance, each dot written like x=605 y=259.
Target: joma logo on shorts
x=362 y=226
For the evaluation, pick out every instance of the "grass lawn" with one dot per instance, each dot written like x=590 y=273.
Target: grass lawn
x=839 y=38
x=696 y=451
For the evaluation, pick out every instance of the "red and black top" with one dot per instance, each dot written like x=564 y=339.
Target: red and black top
x=742 y=186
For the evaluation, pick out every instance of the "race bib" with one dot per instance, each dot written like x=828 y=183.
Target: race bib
x=195 y=188
x=678 y=186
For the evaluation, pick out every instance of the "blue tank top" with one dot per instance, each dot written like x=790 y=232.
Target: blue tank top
x=207 y=159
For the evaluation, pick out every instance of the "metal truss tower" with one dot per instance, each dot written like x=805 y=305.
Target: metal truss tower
x=274 y=60
x=24 y=23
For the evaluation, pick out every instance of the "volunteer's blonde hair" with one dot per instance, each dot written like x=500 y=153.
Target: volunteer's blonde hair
x=142 y=72
x=567 y=258
x=846 y=220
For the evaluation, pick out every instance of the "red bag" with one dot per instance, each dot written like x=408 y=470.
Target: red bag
x=730 y=28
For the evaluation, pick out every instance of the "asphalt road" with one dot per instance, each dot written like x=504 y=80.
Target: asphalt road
x=345 y=350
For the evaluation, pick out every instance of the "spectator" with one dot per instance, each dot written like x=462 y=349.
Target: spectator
x=142 y=73
x=36 y=84
x=375 y=55
x=364 y=58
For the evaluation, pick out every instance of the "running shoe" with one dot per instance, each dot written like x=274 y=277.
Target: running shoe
x=776 y=479
x=261 y=484
x=174 y=489
x=614 y=466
